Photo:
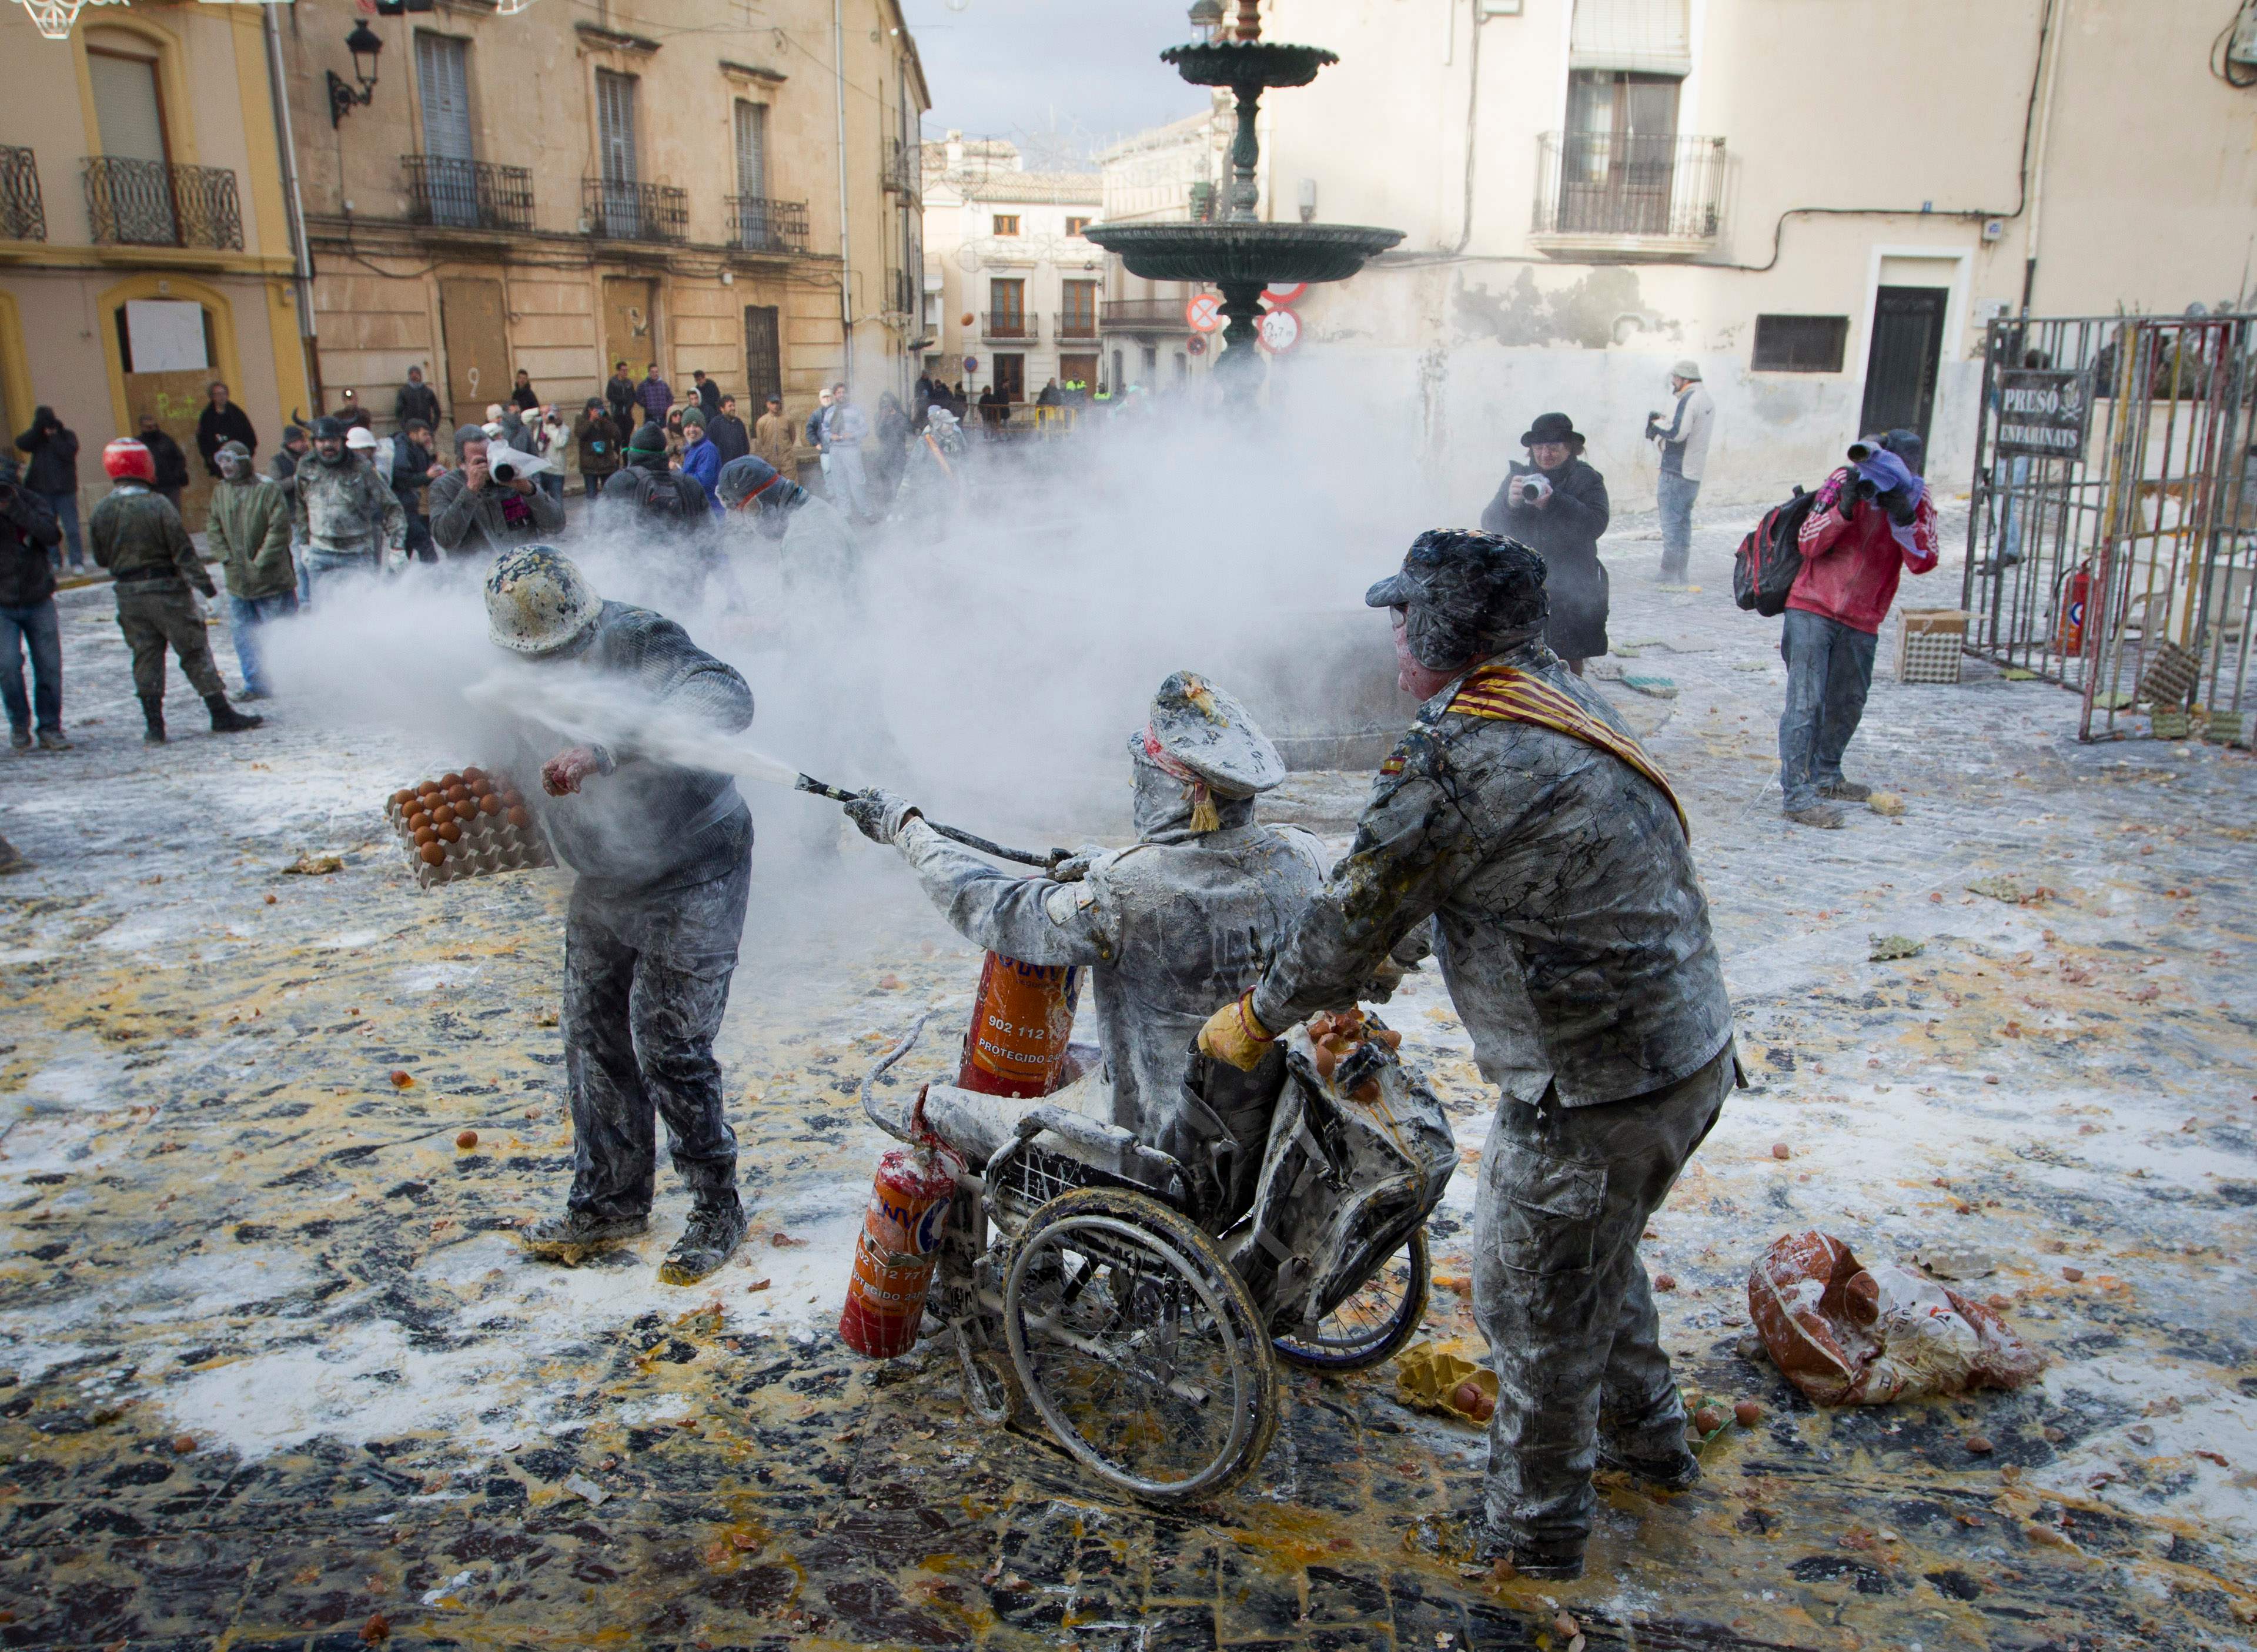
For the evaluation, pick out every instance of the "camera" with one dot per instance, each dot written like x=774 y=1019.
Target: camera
x=1530 y=493
x=504 y=471
x=1533 y=491
x=1860 y=487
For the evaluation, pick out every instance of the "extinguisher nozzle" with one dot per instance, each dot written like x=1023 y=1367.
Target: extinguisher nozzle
x=809 y=783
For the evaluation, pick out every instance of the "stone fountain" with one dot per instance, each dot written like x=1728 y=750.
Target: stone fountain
x=1242 y=254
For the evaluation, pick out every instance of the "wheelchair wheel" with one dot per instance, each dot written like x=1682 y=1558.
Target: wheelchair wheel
x=1372 y=1325
x=1139 y=1346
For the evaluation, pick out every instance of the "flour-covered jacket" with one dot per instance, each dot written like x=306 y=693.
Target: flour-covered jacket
x=1168 y=930
x=646 y=824
x=346 y=509
x=1570 y=924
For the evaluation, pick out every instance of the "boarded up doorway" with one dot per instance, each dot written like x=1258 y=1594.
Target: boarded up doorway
x=476 y=340
x=630 y=324
x=1900 y=370
x=165 y=349
x=763 y=355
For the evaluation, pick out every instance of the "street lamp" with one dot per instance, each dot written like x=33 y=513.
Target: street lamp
x=364 y=46
x=1207 y=21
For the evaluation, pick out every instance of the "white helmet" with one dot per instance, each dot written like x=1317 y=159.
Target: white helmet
x=360 y=439
x=537 y=602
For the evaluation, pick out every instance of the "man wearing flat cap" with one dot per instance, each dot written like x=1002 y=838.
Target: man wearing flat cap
x=1183 y=918
x=1521 y=829
x=1683 y=440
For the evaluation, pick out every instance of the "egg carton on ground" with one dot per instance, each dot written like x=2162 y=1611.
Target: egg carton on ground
x=487 y=842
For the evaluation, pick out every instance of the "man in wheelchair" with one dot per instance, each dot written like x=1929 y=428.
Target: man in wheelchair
x=1522 y=825
x=1187 y=915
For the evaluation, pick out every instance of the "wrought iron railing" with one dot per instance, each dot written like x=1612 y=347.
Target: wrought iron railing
x=757 y=224
x=1143 y=315
x=620 y=211
x=904 y=169
x=156 y=203
x=1012 y=324
x=23 y=216
x=473 y=195
x=1082 y=323
x=1661 y=186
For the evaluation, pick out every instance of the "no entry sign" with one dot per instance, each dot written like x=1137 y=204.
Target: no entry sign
x=1281 y=331
x=1204 y=314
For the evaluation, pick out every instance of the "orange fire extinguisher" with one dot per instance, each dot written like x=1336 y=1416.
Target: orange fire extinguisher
x=2071 y=636
x=899 y=1246
x=1021 y=1017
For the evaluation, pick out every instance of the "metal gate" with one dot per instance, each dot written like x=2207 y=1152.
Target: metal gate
x=2113 y=533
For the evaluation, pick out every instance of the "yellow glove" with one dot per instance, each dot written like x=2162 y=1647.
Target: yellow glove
x=1232 y=1034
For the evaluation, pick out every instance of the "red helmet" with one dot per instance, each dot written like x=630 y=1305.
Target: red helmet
x=126 y=457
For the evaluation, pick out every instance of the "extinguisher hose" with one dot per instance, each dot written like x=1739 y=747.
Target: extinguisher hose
x=870 y=1079
x=1023 y=857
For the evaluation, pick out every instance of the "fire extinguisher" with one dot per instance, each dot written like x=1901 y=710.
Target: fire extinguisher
x=2071 y=636
x=899 y=1245
x=1021 y=1017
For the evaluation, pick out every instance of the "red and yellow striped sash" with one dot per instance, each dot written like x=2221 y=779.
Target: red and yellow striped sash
x=1515 y=696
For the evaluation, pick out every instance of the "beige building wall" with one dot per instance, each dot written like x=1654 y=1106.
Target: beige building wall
x=64 y=277
x=1864 y=144
x=1161 y=175
x=563 y=286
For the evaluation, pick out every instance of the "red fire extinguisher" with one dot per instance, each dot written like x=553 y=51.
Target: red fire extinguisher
x=900 y=1245
x=2071 y=636
x=1021 y=1017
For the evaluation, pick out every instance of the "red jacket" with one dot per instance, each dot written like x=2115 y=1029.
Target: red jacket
x=1850 y=567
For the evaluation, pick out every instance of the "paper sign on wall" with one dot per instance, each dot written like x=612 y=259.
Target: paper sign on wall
x=165 y=336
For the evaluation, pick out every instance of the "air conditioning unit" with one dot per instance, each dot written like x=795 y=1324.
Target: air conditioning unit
x=2242 y=48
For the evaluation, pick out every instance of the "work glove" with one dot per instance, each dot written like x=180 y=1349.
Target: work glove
x=1232 y=1034
x=881 y=815
x=1902 y=503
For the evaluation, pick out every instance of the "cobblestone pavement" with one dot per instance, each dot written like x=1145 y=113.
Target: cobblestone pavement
x=270 y=1367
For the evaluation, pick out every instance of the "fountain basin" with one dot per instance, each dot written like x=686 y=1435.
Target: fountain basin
x=1260 y=63
x=1259 y=253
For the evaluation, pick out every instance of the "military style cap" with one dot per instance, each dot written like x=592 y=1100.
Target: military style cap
x=1201 y=734
x=538 y=602
x=1464 y=593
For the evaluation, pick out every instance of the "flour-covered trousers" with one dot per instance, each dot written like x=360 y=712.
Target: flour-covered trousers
x=646 y=981
x=1560 y=1293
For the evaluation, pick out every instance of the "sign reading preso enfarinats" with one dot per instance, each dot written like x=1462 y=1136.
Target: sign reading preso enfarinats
x=2043 y=411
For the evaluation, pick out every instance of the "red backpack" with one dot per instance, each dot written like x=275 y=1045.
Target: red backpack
x=1771 y=557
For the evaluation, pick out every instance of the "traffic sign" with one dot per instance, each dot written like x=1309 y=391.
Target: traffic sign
x=1280 y=331
x=971 y=364
x=1195 y=344
x=1283 y=295
x=1204 y=313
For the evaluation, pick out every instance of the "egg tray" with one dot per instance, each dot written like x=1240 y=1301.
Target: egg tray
x=489 y=844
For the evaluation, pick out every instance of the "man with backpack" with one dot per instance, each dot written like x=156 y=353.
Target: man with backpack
x=1869 y=522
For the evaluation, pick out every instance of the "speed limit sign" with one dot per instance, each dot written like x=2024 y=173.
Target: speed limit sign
x=1281 y=331
x=1204 y=314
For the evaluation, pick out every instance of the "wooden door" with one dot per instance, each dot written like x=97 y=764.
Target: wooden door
x=630 y=324
x=1011 y=377
x=476 y=342
x=1901 y=367
x=763 y=357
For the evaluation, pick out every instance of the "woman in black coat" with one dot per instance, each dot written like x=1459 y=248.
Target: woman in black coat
x=1561 y=524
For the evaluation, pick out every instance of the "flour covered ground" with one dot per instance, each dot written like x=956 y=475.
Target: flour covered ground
x=272 y=1367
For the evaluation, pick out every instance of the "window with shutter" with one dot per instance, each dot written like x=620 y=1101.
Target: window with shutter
x=751 y=150
x=1647 y=37
x=442 y=75
x=615 y=147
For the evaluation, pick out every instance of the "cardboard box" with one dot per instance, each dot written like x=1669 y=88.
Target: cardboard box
x=1929 y=644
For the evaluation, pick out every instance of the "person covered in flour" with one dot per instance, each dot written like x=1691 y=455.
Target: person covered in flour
x=1520 y=825
x=1190 y=914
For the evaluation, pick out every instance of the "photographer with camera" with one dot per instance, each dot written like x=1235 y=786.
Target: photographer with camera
x=1556 y=505
x=483 y=506
x=1873 y=521
x=1684 y=444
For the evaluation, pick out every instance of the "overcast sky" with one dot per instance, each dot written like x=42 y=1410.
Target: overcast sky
x=1004 y=69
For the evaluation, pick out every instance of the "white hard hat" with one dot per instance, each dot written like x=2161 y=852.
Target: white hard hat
x=361 y=439
x=538 y=602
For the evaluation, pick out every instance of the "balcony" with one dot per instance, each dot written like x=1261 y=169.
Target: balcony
x=902 y=170
x=1012 y=324
x=466 y=195
x=757 y=224
x=1078 y=324
x=23 y=218
x=1608 y=195
x=155 y=204
x=616 y=210
x=1142 y=315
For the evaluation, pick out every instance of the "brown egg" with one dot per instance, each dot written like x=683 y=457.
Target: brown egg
x=458 y=794
x=467 y=1140
x=489 y=804
x=519 y=818
x=441 y=815
x=432 y=854
x=426 y=834
x=445 y=780
x=473 y=776
x=402 y=798
x=419 y=821
x=450 y=832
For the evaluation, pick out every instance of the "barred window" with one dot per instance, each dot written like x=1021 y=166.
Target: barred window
x=1799 y=343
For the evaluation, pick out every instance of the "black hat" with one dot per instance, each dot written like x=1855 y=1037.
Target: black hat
x=1465 y=594
x=329 y=428
x=1552 y=427
x=648 y=438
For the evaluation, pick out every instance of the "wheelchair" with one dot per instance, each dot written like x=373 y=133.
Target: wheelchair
x=1095 y=1283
